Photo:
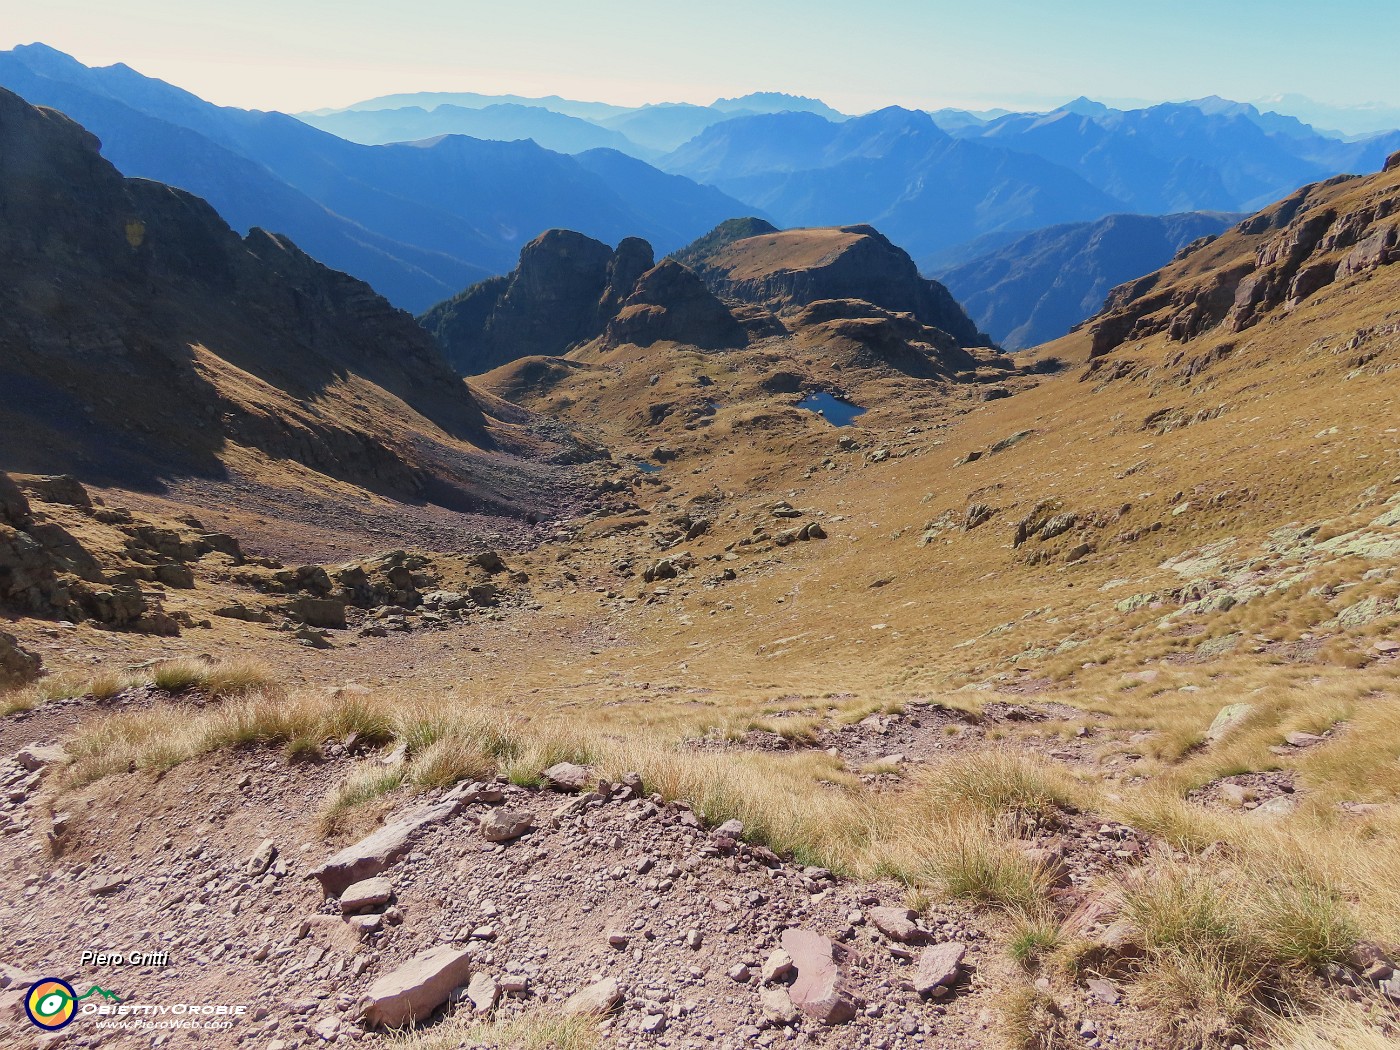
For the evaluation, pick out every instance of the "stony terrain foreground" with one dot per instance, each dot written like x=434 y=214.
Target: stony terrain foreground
x=678 y=934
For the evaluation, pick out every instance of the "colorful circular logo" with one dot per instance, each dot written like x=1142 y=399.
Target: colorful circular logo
x=51 y=1003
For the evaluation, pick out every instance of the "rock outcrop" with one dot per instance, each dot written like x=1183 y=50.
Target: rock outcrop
x=1332 y=231
x=671 y=303
x=565 y=290
x=17 y=664
x=787 y=270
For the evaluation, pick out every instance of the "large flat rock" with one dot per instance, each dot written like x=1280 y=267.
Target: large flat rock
x=376 y=852
x=415 y=989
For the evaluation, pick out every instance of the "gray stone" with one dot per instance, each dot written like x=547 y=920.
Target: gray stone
x=385 y=847
x=365 y=894
x=1230 y=716
x=1105 y=992
x=896 y=923
x=503 y=825
x=262 y=857
x=566 y=776
x=483 y=991
x=38 y=756
x=777 y=966
x=777 y=1005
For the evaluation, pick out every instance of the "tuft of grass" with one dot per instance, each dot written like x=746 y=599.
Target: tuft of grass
x=220 y=678
x=1339 y=1025
x=1031 y=1020
x=366 y=782
x=971 y=862
x=996 y=782
x=1032 y=938
x=534 y=1029
x=107 y=685
x=1223 y=944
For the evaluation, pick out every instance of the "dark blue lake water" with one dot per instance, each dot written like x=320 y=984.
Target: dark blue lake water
x=834 y=410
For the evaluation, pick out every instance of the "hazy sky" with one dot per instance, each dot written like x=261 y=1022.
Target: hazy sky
x=303 y=54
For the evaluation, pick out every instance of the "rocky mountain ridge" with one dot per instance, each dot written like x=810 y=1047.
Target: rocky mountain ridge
x=1333 y=231
x=143 y=338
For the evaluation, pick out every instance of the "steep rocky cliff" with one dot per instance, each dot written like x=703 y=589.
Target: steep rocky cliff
x=565 y=290
x=140 y=338
x=1338 y=230
x=569 y=290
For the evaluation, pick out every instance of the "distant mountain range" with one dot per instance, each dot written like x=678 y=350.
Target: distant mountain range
x=418 y=222
x=1040 y=285
x=425 y=194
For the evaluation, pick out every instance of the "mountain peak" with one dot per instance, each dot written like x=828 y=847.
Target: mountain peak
x=776 y=102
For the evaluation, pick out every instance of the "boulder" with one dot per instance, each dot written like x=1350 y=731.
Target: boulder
x=938 y=966
x=818 y=990
x=1229 y=716
x=261 y=858
x=483 y=991
x=365 y=894
x=777 y=1005
x=777 y=966
x=897 y=924
x=38 y=756
x=408 y=994
x=376 y=852
x=503 y=825
x=565 y=776
x=319 y=612
x=17 y=665
x=596 y=1000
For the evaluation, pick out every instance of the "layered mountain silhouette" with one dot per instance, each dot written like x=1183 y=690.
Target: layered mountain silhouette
x=553 y=122
x=1040 y=285
x=894 y=169
x=142 y=338
x=417 y=221
x=933 y=189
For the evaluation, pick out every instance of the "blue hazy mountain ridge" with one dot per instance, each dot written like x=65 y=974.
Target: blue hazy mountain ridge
x=1207 y=154
x=1037 y=287
x=556 y=123
x=417 y=221
x=894 y=169
x=554 y=131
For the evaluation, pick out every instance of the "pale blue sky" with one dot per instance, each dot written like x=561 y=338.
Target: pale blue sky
x=302 y=54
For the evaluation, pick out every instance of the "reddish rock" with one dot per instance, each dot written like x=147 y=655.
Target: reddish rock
x=938 y=966
x=818 y=990
x=897 y=924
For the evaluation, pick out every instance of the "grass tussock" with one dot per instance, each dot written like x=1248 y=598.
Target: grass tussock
x=1226 y=945
x=369 y=781
x=219 y=678
x=1338 y=1026
x=534 y=1029
x=997 y=782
